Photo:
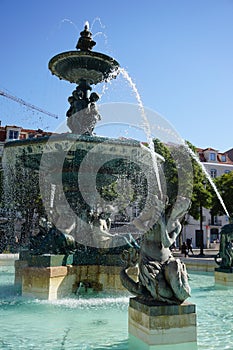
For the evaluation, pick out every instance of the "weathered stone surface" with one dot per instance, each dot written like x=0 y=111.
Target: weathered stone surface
x=58 y=281
x=47 y=283
x=223 y=277
x=48 y=260
x=19 y=266
x=162 y=324
x=154 y=308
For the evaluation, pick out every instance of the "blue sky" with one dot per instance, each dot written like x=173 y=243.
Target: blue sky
x=178 y=52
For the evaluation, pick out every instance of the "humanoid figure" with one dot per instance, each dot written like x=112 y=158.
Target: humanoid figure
x=50 y=240
x=226 y=248
x=161 y=277
x=101 y=224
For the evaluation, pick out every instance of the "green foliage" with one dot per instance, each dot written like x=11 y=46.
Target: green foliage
x=109 y=192
x=224 y=185
x=202 y=194
x=183 y=180
x=169 y=169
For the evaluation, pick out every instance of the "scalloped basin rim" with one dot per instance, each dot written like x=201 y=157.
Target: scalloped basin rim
x=75 y=137
x=99 y=66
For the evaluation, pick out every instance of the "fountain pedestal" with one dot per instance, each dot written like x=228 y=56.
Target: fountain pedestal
x=52 y=277
x=48 y=283
x=161 y=325
x=45 y=276
x=224 y=276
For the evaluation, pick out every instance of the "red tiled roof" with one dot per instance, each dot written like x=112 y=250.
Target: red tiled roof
x=202 y=158
x=3 y=130
x=13 y=126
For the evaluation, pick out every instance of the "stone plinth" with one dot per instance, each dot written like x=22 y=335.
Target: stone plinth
x=162 y=325
x=37 y=261
x=49 y=260
x=20 y=265
x=99 y=277
x=224 y=276
x=48 y=283
x=39 y=277
x=8 y=259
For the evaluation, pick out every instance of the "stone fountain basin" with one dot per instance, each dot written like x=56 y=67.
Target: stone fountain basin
x=72 y=147
x=79 y=166
x=76 y=66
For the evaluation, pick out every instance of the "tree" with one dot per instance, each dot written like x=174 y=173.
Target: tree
x=187 y=180
x=194 y=181
x=224 y=185
x=202 y=194
x=169 y=168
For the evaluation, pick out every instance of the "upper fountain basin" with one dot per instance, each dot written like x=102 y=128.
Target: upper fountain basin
x=76 y=66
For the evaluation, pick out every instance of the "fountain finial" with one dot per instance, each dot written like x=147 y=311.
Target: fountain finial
x=85 y=42
x=84 y=68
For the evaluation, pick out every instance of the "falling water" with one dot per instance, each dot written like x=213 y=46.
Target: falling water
x=195 y=157
x=97 y=19
x=145 y=125
x=70 y=22
x=151 y=145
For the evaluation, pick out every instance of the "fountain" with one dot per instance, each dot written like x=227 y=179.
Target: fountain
x=74 y=247
x=68 y=173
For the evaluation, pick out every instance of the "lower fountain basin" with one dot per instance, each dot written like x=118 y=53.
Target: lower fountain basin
x=78 y=167
x=91 y=321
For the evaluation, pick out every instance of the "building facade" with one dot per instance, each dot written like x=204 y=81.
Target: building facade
x=216 y=163
x=13 y=132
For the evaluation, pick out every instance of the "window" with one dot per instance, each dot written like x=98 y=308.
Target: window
x=227 y=171
x=223 y=158
x=13 y=135
x=213 y=173
x=213 y=156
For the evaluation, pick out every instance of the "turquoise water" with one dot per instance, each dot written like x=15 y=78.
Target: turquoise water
x=100 y=322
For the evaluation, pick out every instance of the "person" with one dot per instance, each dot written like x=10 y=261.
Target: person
x=184 y=249
x=189 y=245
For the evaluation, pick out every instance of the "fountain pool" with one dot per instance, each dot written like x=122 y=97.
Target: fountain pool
x=91 y=321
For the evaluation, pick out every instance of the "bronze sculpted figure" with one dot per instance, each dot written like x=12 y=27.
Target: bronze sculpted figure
x=225 y=256
x=82 y=114
x=50 y=240
x=83 y=67
x=161 y=278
